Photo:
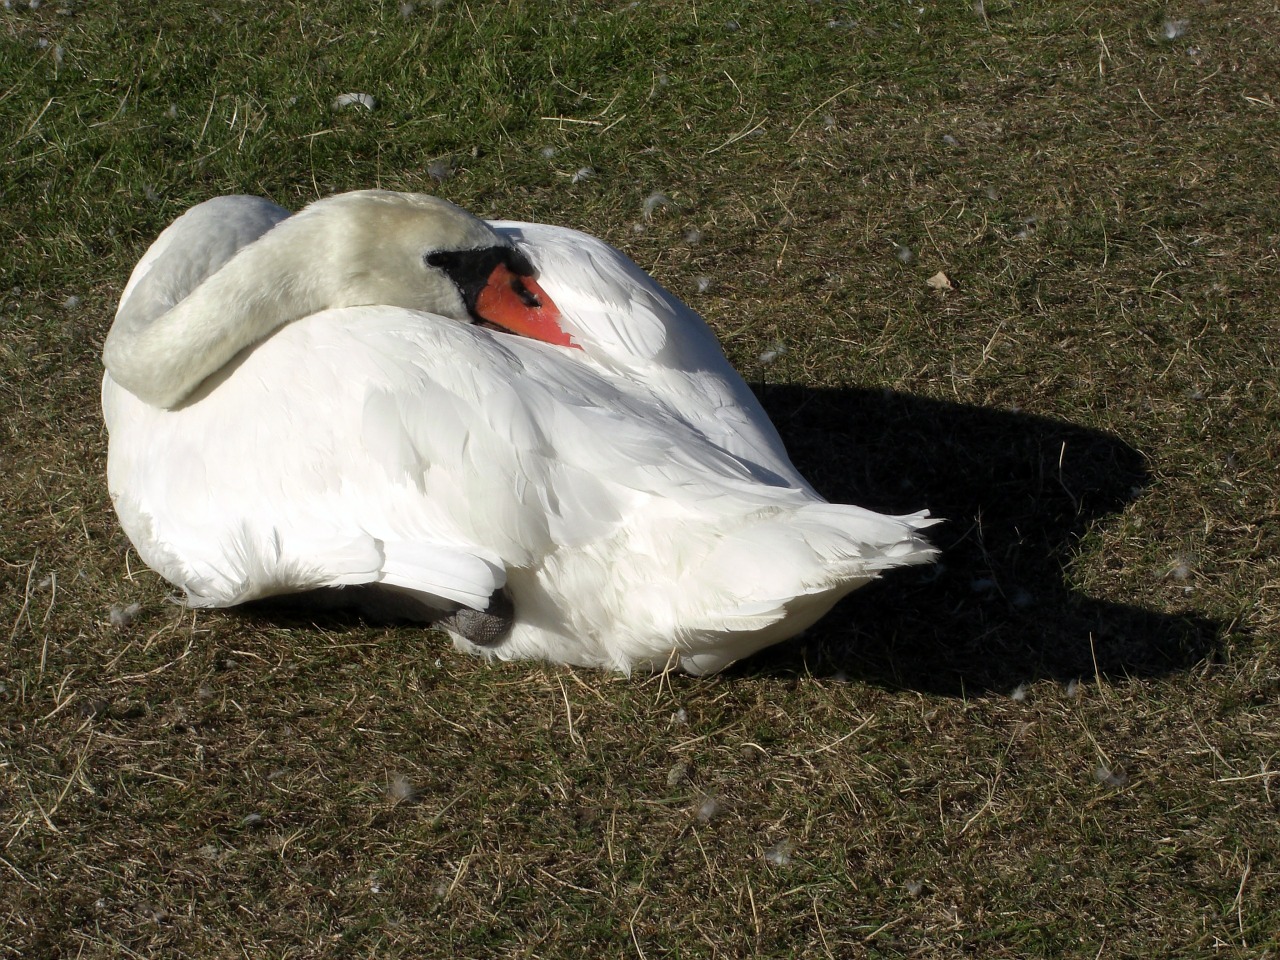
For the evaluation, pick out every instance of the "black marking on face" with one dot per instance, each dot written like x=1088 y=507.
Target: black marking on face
x=470 y=271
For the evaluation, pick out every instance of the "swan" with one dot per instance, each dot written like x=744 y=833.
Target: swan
x=505 y=428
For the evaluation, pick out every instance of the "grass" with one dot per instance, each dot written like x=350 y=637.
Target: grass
x=1060 y=742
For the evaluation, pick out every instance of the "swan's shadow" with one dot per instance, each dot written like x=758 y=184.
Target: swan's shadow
x=1017 y=493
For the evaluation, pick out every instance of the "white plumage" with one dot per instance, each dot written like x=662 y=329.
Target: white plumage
x=630 y=498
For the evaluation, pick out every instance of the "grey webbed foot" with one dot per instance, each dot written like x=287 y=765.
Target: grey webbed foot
x=484 y=628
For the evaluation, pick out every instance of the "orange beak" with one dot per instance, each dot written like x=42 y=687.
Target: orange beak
x=518 y=304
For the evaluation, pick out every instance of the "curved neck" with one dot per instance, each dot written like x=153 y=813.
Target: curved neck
x=230 y=272
x=162 y=358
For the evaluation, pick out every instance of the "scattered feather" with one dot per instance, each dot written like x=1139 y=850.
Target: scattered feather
x=440 y=169
x=708 y=810
x=829 y=122
x=940 y=281
x=58 y=54
x=582 y=173
x=732 y=26
x=1110 y=778
x=779 y=855
x=547 y=152
x=407 y=10
x=693 y=236
x=211 y=851
x=1173 y=29
x=949 y=140
x=904 y=254
x=914 y=887
x=1019 y=694
x=344 y=100
x=152 y=911
x=680 y=716
x=1073 y=688
x=123 y=615
x=638 y=228
x=205 y=691
x=654 y=202
x=172 y=112
x=773 y=353
x=401 y=789
x=252 y=820
x=702 y=284
x=71 y=303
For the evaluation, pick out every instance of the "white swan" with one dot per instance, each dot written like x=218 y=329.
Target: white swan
x=306 y=402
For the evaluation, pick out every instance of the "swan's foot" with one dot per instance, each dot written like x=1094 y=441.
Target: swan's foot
x=484 y=628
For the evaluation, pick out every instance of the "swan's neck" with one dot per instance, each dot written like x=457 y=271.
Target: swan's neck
x=162 y=358
x=204 y=305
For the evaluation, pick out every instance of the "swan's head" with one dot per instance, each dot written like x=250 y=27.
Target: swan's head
x=423 y=253
x=229 y=272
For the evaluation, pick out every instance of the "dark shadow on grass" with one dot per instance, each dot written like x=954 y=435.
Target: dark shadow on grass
x=1016 y=492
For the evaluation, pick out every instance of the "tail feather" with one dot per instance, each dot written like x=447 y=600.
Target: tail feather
x=818 y=552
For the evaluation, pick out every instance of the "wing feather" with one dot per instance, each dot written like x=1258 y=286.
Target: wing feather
x=628 y=324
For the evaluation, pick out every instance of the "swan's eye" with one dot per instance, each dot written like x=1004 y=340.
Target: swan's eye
x=470 y=270
x=527 y=296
